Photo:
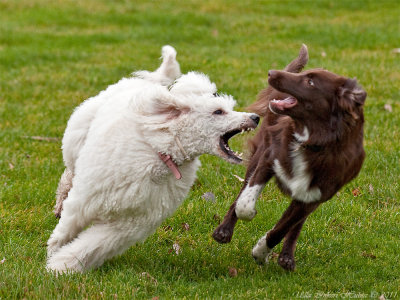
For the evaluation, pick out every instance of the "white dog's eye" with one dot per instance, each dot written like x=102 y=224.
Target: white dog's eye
x=218 y=112
x=216 y=95
x=310 y=82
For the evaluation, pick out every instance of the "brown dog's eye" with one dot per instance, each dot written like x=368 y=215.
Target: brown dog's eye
x=218 y=112
x=216 y=95
x=310 y=82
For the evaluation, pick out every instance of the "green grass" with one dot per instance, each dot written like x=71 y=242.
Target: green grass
x=55 y=54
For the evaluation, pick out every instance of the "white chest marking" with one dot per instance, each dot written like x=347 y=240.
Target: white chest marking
x=299 y=181
x=302 y=137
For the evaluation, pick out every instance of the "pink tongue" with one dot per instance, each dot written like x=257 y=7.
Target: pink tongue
x=285 y=103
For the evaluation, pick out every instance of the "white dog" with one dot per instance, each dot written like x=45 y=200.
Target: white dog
x=131 y=156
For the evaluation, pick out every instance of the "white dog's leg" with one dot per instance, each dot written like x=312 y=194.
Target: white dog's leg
x=94 y=245
x=72 y=221
x=67 y=229
x=245 y=205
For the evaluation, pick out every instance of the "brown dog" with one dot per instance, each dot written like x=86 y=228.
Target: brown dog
x=311 y=140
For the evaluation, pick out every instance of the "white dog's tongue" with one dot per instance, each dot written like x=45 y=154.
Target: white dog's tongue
x=285 y=103
x=167 y=159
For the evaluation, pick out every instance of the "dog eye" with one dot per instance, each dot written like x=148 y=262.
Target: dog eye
x=216 y=95
x=310 y=82
x=218 y=112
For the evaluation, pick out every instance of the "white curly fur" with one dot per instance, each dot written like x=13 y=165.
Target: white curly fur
x=121 y=190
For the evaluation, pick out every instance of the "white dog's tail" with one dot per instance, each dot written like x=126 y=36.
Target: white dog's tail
x=63 y=188
x=168 y=71
x=169 y=66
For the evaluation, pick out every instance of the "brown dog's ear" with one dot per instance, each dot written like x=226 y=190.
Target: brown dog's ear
x=299 y=62
x=353 y=92
x=351 y=96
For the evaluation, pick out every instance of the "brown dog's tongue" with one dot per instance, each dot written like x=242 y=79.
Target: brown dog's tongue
x=285 y=103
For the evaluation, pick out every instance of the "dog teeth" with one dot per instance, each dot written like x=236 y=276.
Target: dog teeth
x=246 y=129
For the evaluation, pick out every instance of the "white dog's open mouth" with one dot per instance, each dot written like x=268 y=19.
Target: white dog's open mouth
x=229 y=154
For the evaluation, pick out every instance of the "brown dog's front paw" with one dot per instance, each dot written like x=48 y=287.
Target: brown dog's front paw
x=222 y=234
x=287 y=261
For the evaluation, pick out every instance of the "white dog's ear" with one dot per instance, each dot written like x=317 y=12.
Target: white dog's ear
x=169 y=109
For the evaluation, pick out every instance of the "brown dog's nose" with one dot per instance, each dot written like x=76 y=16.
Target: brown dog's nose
x=272 y=73
x=255 y=118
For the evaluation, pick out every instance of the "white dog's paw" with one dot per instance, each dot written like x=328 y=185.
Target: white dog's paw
x=168 y=51
x=261 y=252
x=244 y=212
x=52 y=246
x=61 y=262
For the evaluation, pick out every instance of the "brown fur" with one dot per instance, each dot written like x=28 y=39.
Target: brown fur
x=331 y=107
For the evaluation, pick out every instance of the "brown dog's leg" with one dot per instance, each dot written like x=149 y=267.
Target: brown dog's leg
x=286 y=258
x=223 y=233
x=295 y=214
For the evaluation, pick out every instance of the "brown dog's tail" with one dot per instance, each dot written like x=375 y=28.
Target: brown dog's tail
x=261 y=105
x=298 y=64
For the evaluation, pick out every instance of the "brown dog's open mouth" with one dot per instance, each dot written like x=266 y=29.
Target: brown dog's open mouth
x=281 y=105
x=229 y=154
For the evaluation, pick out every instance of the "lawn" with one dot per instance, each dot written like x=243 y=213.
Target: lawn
x=55 y=54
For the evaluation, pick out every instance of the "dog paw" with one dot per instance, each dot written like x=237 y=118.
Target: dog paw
x=222 y=234
x=287 y=261
x=261 y=252
x=244 y=213
x=61 y=268
x=53 y=245
x=261 y=257
x=51 y=249
x=64 y=262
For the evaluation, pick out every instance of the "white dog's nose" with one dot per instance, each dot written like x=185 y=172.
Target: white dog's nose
x=255 y=118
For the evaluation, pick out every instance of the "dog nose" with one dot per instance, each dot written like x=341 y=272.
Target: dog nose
x=255 y=118
x=272 y=73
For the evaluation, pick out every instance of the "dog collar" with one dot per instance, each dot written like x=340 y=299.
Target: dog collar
x=167 y=159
